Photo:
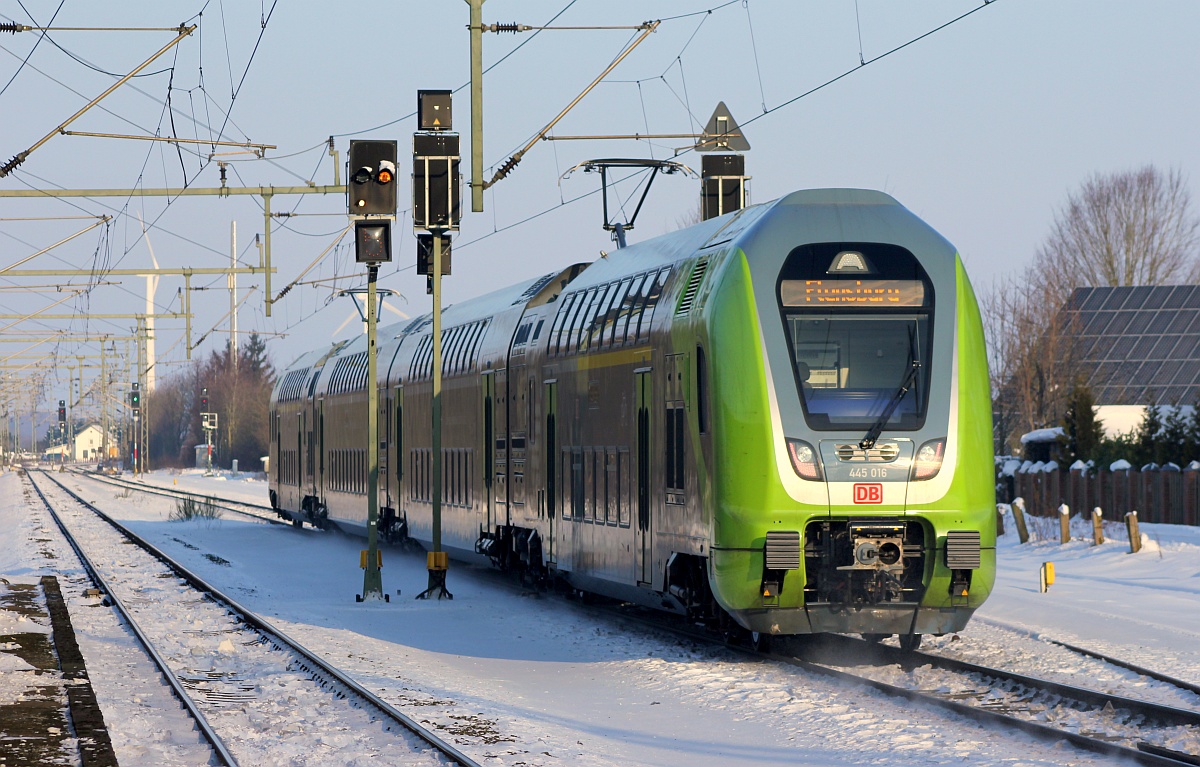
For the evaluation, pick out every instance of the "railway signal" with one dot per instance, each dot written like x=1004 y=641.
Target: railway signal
x=62 y=414
x=135 y=397
x=436 y=183
x=372 y=187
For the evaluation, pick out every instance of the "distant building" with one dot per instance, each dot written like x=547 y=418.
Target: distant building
x=1137 y=346
x=89 y=444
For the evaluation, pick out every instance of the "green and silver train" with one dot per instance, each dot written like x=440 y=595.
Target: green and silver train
x=778 y=419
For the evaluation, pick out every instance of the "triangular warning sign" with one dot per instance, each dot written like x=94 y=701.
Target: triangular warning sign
x=722 y=133
x=436 y=122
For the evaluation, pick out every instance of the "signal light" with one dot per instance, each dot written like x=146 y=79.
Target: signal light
x=372 y=191
x=204 y=400
x=135 y=397
x=372 y=241
x=62 y=412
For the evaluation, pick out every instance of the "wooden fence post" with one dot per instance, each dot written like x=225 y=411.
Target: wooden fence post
x=1097 y=526
x=1064 y=524
x=1135 y=538
x=1018 y=510
x=999 y=519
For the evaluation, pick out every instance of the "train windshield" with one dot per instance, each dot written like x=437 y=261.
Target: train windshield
x=859 y=324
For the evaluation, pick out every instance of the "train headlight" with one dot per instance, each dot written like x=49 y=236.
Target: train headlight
x=928 y=461
x=804 y=459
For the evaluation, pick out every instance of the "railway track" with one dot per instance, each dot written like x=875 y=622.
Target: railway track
x=241 y=508
x=253 y=692
x=1095 y=721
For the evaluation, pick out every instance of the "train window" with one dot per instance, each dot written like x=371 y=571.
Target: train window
x=577 y=483
x=612 y=486
x=577 y=322
x=537 y=331
x=653 y=293
x=674 y=463
x=623 y=499
x=560 y=319
x=701 y=390
x=615 y=313
x=627 y=310
x=602 y=319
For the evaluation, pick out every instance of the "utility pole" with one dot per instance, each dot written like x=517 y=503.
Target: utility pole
x=233 y=328
x=476 y=27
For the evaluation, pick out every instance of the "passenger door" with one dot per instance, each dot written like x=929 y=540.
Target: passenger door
x=643 y=398
x=550 y=454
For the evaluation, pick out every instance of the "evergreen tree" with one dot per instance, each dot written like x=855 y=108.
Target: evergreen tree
x=1082 y=430
x=1146 y=437
x=1173 y=441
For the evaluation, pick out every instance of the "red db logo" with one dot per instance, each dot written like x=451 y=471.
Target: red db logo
x=868 y=492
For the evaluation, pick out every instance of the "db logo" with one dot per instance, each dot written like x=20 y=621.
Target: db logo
x=868 y=492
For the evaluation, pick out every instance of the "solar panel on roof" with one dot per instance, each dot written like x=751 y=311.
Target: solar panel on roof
x=1145 y=374
x=1166 y=373
x=1157 y=296
x=1121 y=348
x=1120 y=321
x=1160 y=322
x=1091 y=299
x=1141 y=350
x=1180 y=320
x=1096 y=323
x=1162 y=349
x=1187 y=374
x=1178 y=298
x=1126 y=372
x=1138 y=295
x=1140 y=322
x=1116 y=298
x=1187 y=348
x=1104 y=373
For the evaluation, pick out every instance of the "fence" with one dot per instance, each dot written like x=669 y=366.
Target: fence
x=1166 y=495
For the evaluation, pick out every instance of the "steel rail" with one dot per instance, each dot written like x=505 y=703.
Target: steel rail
x=281 y=639
x=1145 y=754
x=170 y=492
x=215 y=742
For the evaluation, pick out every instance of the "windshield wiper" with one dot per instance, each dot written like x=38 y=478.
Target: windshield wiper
x=876 y=429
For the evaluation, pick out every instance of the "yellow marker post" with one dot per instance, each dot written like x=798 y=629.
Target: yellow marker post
x=1046 y=576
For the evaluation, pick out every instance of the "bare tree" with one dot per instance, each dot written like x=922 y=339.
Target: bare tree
x=1031 y=354
x=1127 y=228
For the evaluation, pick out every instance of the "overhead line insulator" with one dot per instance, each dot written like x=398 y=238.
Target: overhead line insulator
x=514 y=27
x=14 y=28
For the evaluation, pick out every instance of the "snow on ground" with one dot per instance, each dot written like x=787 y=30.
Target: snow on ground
x=516 y=678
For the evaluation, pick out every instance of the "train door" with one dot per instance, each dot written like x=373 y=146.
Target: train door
x=549 y=452
x=645 y=534
x=518 y=429
x=320 y=478
x=499 y=511
x=299 y=478
x=397 y=445
x=489 y=443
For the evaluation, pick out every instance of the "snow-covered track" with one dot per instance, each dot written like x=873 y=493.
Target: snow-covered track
x=243 y=508
x=220 y=750
x=1093 y=721
x=260 y=674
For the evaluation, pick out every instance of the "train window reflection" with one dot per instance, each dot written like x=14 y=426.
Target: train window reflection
x=848 y=367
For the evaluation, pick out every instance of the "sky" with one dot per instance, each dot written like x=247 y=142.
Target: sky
x=982 y=126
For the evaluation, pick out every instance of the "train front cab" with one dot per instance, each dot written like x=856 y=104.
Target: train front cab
x=853 y=487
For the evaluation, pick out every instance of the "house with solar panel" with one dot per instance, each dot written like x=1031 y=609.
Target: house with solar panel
x=1137 y=346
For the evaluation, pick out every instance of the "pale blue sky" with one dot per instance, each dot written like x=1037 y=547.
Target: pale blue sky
x=981 y=128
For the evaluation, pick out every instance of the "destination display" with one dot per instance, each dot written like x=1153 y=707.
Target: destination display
x=901 y=293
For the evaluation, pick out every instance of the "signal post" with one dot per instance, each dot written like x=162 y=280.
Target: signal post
x=436 y=183
x=371 y=201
